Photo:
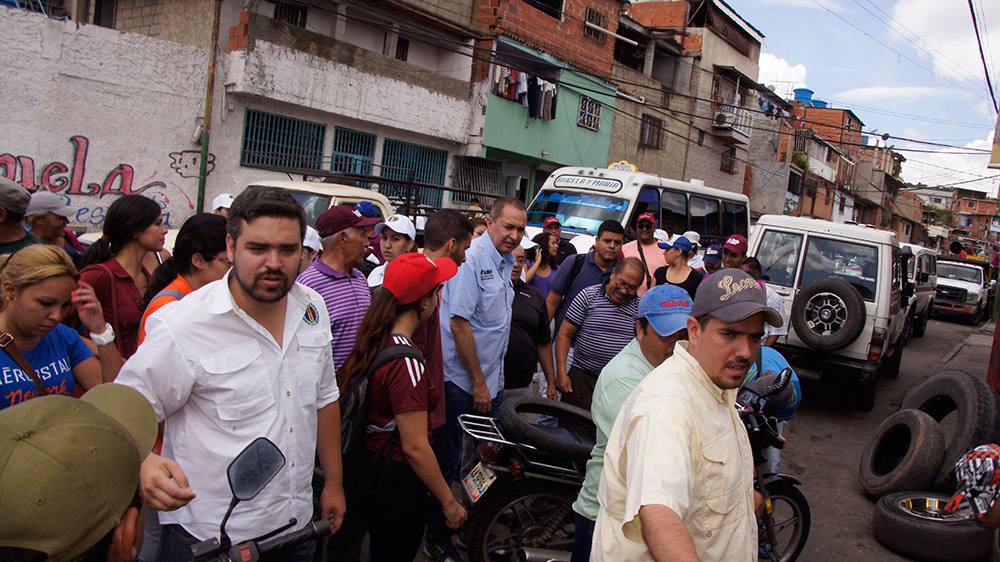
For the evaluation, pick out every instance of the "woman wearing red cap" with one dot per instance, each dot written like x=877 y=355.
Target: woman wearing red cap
x=400 y=397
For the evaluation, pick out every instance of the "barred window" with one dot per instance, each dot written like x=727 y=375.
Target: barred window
x=353 y=151
x=651 y=133
x=428 y=165
x=402 y=48
x=271 y=140
x=728 y=163
x=290 y=14
x=590 y=113
x=595 y=18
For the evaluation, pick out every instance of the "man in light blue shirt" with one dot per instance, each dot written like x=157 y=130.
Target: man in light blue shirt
x=475 y=326
x=663 y=314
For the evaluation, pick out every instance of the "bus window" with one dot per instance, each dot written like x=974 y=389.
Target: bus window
x=673 y=212
x=648 y=202
x=734 y=219
x=705 y=220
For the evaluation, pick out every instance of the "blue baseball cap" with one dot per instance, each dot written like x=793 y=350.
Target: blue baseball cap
x=367 y=208
x=681 y=243
x=666 y=308
x=713 y=254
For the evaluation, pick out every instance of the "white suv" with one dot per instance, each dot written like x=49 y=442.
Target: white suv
x=843 y=286
x=962 y=288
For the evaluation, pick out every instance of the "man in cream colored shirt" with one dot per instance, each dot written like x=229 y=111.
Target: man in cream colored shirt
x=678 y=473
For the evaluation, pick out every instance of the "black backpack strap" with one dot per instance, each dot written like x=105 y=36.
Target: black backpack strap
x=575 y=270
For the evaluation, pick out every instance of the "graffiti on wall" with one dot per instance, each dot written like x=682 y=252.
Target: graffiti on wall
x=70 y=180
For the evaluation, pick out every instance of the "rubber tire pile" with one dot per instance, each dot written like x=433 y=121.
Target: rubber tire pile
x=910 y=456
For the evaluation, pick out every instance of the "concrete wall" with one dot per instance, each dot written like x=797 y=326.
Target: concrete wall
x=94 y=113
x=770 y=174
x=704 y=162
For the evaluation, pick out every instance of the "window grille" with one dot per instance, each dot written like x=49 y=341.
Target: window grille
x=429 y=165
x=801 y=136
x=590 y=113
x=353 y=151
x=290 y=14
x=728 y=163
x=651 y=132
x=276 y=140
x=473 y=173
x=598 y=19
x=402 y=48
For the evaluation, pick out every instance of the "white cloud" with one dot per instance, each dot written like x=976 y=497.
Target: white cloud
x=941 y=168
x=893 y=94
x=943 y=29
x=781 y=74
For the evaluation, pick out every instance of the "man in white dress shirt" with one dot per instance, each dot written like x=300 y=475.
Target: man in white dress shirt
x=245 y=357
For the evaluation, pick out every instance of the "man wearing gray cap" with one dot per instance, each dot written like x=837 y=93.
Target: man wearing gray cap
x=677 y=482
x=13 y=203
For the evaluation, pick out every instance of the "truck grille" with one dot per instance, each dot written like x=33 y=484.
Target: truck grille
x=951 y=294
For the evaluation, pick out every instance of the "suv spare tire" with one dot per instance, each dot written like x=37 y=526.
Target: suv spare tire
x=975 y=407
x=828 y=314
x=913 y=524
x=904 y=454
x=559 y=442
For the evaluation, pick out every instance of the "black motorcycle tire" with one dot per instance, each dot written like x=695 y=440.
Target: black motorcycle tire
x=531 y=498
x=928 y=538
x=905 y=453
x=799 y=520
x=519 y=429
x=975 y=406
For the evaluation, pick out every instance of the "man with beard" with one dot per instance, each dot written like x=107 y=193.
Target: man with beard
x=343 y=231
x=677 y=482
x=244 y=357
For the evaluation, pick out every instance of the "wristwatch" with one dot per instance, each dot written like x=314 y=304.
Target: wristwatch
x=105 y=337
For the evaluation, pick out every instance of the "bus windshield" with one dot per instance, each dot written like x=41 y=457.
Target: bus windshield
x=581 y=212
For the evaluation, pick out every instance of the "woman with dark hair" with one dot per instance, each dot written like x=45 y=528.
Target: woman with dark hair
x=677 y=271
x=199 y=258
x=400 y=394
x=133 y=227
x=542 y=268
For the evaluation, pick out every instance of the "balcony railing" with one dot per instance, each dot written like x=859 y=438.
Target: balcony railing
x=733 y=118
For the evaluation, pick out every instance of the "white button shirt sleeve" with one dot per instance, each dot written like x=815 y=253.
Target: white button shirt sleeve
x=159 y=371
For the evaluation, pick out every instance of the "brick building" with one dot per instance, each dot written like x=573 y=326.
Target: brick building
x=972 y=211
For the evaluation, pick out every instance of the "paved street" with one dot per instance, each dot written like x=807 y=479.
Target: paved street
x=825 y=442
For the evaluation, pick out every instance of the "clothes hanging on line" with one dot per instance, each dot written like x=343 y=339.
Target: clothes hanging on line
x=536 y=95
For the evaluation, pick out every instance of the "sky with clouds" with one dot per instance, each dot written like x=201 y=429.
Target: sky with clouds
x=909 y=68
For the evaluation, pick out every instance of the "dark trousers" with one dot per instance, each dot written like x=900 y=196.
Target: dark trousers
x=396 y=514
x=583 y=383
x=176 y=542
x=448 y=450
x=583 y=539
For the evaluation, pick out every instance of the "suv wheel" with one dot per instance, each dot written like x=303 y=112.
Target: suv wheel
x=828 y=314
x=920 y=326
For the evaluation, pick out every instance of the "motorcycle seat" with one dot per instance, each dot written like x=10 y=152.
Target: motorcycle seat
x=564 y=434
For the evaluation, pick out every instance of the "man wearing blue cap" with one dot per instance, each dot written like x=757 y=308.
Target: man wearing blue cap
x=662 y=322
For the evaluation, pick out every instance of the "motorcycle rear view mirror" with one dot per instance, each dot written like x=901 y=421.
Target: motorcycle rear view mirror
x=253 y=468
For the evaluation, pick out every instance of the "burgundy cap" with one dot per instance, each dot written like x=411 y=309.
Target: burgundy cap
x=551 y=220
x=335 y=219
x=411 y=276
x=736 y=244
x=646 y=217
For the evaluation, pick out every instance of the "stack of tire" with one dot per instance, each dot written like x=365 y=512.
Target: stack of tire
x=909 y=467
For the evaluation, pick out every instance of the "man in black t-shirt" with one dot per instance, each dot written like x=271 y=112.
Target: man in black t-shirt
x=530 y=341
x=554 y=228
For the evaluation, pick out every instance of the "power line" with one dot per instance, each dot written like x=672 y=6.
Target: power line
x=982 y=56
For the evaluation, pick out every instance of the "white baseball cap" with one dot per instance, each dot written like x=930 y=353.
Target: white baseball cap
x=47 y=202
x=693 y=236
x=400 y=224
x=223 y=201
x=312 y=239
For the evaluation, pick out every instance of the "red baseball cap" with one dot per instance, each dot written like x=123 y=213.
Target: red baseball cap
x=337 y=218
x=551 y=220
x=736 y=244
x=646 y=217
x=411 y=276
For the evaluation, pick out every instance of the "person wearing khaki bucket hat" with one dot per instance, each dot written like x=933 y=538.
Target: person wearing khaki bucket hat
x=69 y=474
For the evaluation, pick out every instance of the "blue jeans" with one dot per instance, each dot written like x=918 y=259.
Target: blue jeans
x=583 y=539
x=175 y=544
x=448 y=450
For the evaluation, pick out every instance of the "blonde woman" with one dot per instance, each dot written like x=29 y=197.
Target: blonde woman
x=40 y=285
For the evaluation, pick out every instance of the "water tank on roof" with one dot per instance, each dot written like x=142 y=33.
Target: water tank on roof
x=803 y=95
x=819 y=103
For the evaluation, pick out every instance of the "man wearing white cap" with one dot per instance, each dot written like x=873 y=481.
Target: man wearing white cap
x=221 y=204
x=397 y=234
x=46 y=218
x=311 y=247
x=695 y=260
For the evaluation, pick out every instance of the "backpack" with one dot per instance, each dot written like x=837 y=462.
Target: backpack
x=354 y=398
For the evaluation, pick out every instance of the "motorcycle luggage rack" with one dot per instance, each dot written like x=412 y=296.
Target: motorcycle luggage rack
x=485 y=428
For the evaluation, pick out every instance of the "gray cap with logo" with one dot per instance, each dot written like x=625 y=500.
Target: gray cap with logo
x=731 y=295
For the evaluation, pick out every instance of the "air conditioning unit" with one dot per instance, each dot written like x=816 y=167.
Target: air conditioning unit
x=723 y=120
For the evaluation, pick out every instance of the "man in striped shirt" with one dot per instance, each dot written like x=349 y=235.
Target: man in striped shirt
x=343 y=231
x=600 y=322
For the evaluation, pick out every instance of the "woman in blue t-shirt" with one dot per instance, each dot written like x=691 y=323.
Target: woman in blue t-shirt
x=40 y=285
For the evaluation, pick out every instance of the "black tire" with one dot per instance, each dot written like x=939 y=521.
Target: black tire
x=904 y=454
x=792 y=520
x=920 y=326
x=976 y=317
x=864 y=397
x=828 y=314
x=892 y=365
x=975 y=406
x=911 y=524
x=520 y=429
x=520 y=513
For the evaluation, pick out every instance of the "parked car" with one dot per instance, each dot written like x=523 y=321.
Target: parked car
x=962 y=288
x=843 y=286
x=316 y=197
x=921 y=272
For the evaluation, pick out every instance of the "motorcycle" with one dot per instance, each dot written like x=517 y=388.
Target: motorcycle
x=528 y=476
x=248 y=474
